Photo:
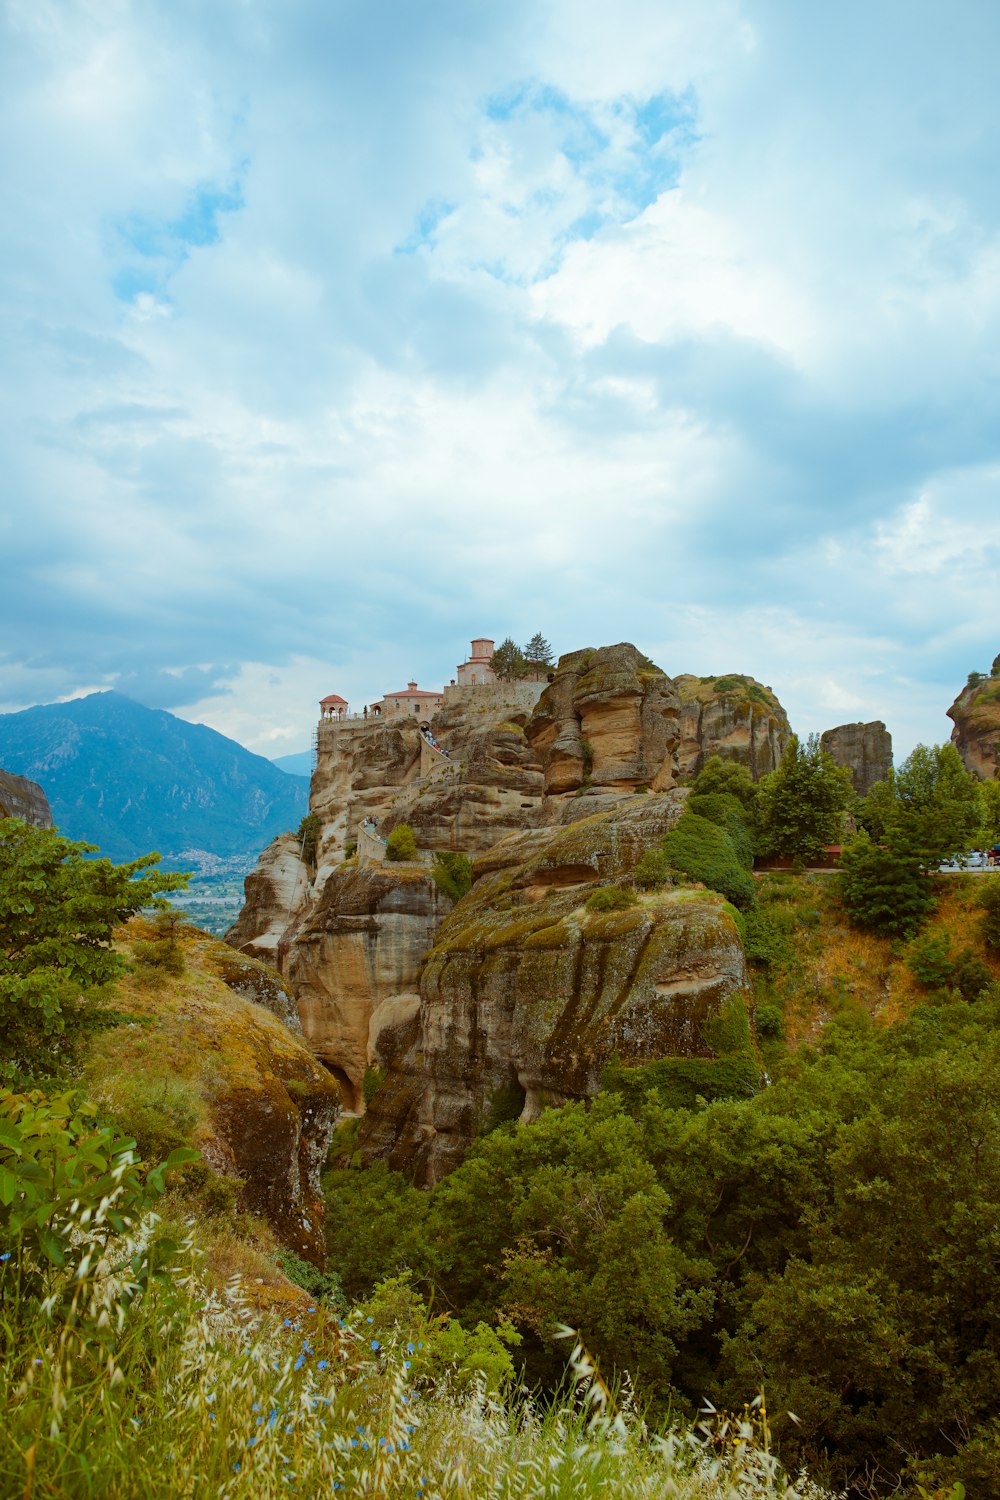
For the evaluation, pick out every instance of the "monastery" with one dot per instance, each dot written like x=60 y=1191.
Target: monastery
x=475 y=673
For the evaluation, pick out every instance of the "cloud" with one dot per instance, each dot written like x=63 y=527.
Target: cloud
x=334 y=335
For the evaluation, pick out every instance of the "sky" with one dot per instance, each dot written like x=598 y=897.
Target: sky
x=338 y=332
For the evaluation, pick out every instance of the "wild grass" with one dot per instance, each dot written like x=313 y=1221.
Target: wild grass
x=189 y=1392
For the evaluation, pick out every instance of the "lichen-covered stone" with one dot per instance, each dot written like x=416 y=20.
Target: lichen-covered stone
x=865 y=749
x=361 y=943
x=24 y=799
x=734 y=717
x=976 y=735
x=528 y=994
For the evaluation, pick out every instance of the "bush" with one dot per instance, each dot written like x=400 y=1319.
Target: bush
x=764 y=943
x=308 y=835
x=989 y=922
x=452 y=873
x=729 y=813
x=652 y=871
x=401 y=843
x=323 y=1285
x=727 y=777
x=882 y=890
x=611 y=898
x=769 y=1021
x=705 y=851
x=929 y=960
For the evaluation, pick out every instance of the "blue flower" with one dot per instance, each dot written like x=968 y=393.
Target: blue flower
x=299 y=1362
x=374 y=1343
x=5 y=1256
x=324 y=1364
x=410 y=1349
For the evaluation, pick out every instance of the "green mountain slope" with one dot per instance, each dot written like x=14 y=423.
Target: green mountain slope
x=131 y=779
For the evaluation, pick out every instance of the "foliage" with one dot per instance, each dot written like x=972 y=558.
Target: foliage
x=538 y=651
x=729 y=813
x=682 y=1082
x=728 y=777
x=651 y=871
x=800 y=806
x=371 y=1083
x=58 y=910
x=163 y=952
x=307 y=834
x=989 y=796
x=706 y=852
x=930 y=960
x=323 y=1285
x=393 y=1214
x=68 y=1189
x=452 y=873
x=989 y=900
x=769 y=1022
x=507 y=660
x=401 y=843
x=883 y=890
x=937 y=812
x=611 y=898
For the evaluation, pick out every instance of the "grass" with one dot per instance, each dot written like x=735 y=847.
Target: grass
x=825 y=969
x=196 y=1393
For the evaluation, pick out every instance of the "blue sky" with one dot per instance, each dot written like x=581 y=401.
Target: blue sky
x=336 y=334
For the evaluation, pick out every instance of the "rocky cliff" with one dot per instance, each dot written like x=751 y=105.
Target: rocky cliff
x=528 y=994
x=21 y=798
x=976 y=735
x=509 y=783
x=865 y=749
x=734 y=717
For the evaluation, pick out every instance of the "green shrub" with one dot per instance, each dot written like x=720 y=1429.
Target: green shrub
x=929 y=960
x=883 y=890
x=679 y=1082
x=401 y=843
x=452 y=873
x=728 y=777
x=765 y=943
x=730 y=814
x=308 y=836
x=611 y=898
x=769 y=1021
x=652 y=871
x=971 y=975
x=705 y=851
x=371 y=1083
x=989 y=900
x=323 y=1285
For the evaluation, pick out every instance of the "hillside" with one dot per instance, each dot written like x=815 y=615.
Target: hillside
x=131 y=779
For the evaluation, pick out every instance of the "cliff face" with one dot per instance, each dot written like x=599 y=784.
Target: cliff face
x=735 y=717
x=608 y=720
x=526 y=995
x=976 y=735
x=522 y=787
x=21 y=798
x=359 y=948
x=865 y=749
x=275 y=894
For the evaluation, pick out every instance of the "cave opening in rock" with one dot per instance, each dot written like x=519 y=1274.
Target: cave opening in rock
x=350 y=1092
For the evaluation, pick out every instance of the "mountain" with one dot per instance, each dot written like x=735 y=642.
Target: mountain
x=131 y=779
x=299 y=764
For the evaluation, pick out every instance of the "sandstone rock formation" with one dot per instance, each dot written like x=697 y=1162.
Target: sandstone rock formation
x=976 y=735
x=360 y=945
x=608 y=720
x=21 y=798
x=865 y=749
x=521 y=764
x=274 y=895
x=527 y=995
x=734 y=717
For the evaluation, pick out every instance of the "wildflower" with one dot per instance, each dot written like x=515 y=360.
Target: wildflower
x=375 y=1343
x=410 y=1349
x=299 y=1362
x=5 y=1256
x=324 y=1364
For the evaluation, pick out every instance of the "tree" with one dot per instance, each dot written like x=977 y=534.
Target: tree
x=883 y=889
x=538 y=650
x=938 y=811
x=452 y=873
x=727 y=776
x=401 y=843
x=800 y=806
x=507 y=660
x=58 y=911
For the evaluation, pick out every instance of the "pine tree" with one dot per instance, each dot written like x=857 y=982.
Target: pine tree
x=507 y=660
x=539 y=650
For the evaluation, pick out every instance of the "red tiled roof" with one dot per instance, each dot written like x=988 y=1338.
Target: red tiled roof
x=333 y=698
x=411 y=693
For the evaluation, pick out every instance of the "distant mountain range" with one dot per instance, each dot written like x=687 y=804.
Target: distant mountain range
x=133 y=779
x=299 y=764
